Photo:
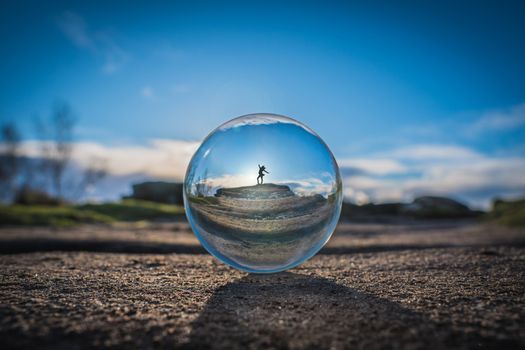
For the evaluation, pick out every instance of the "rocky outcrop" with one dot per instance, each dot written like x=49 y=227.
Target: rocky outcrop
x=256 y=192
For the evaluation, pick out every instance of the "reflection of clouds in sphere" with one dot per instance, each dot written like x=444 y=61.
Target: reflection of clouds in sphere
x=263 y=193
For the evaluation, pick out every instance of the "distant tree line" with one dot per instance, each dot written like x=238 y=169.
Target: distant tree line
x=41 y=177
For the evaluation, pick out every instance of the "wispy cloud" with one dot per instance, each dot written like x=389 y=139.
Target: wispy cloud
x=400 y=175
x=499 y=120
x=379 y=166
x=435 y=169
x=469 y=125
x=423 y=152
x=311 y=186
x=161 y=158
x=449 y=169
x=261 y=119
x=99 y=44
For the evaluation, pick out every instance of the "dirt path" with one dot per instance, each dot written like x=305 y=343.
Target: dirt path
x=178 y=238
x=431 y=298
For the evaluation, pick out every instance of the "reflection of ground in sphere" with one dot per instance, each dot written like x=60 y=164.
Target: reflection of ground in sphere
x=263 y=193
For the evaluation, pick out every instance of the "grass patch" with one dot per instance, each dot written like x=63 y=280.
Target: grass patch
x=135 y=210
x=509 y=213
x=58 y=216
x=70 y=215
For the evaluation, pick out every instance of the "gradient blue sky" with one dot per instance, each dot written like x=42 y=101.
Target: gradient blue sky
x=292 y=155
x=404 y=92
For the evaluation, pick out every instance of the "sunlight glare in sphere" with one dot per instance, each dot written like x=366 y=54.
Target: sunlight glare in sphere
x=263 y=193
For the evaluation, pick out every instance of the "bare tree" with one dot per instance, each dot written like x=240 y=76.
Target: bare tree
x=56 y=146
x=63 y=123
x=37 y=170
x=51 y=172
x=9 y=158
x=96 y=171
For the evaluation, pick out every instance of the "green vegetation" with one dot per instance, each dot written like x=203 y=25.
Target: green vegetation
x=135 y=210
x=510 y=213
x=69 y=215
x=59 y=216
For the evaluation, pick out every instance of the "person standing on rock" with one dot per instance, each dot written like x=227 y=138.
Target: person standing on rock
x=262 y=170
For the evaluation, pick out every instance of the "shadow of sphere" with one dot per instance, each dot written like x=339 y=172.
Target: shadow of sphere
x=288 y=310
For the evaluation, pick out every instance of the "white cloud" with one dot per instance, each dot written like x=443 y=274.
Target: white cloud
x=378 y=166
x=363 y=189
x=161 y=158
x=479 y=175
x=99 y=44
x=421 y=170
x=440 y=170
x=311 y=186
x=433 y=152
x=261 y=119
x=355 y=195
x=228 y=180
x=499 y=120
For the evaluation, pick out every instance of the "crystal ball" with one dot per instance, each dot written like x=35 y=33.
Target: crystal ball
x=263 y=193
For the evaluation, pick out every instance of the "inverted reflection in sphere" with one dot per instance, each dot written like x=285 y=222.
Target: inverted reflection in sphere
x=263 y=193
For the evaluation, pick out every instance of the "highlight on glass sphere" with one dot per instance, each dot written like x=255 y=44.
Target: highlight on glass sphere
x=263 y=193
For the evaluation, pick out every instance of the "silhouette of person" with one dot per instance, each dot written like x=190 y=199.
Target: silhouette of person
x=262 y=170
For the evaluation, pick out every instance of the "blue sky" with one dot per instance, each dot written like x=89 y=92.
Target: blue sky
x=405 y=93
x=291 y=154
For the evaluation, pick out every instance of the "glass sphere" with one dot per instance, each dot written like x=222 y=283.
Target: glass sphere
x=263 y=193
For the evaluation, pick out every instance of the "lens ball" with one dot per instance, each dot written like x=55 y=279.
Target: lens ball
x=263 y=193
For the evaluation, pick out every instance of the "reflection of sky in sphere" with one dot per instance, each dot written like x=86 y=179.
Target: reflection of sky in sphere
x=290 y=154
x=266 y=227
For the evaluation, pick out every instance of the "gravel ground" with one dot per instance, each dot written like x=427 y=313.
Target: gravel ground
x=435 y=298
x=466 y=294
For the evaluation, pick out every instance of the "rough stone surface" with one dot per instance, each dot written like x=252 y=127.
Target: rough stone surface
x=433 y=298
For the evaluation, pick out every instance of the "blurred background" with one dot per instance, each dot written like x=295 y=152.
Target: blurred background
x=102 y=104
